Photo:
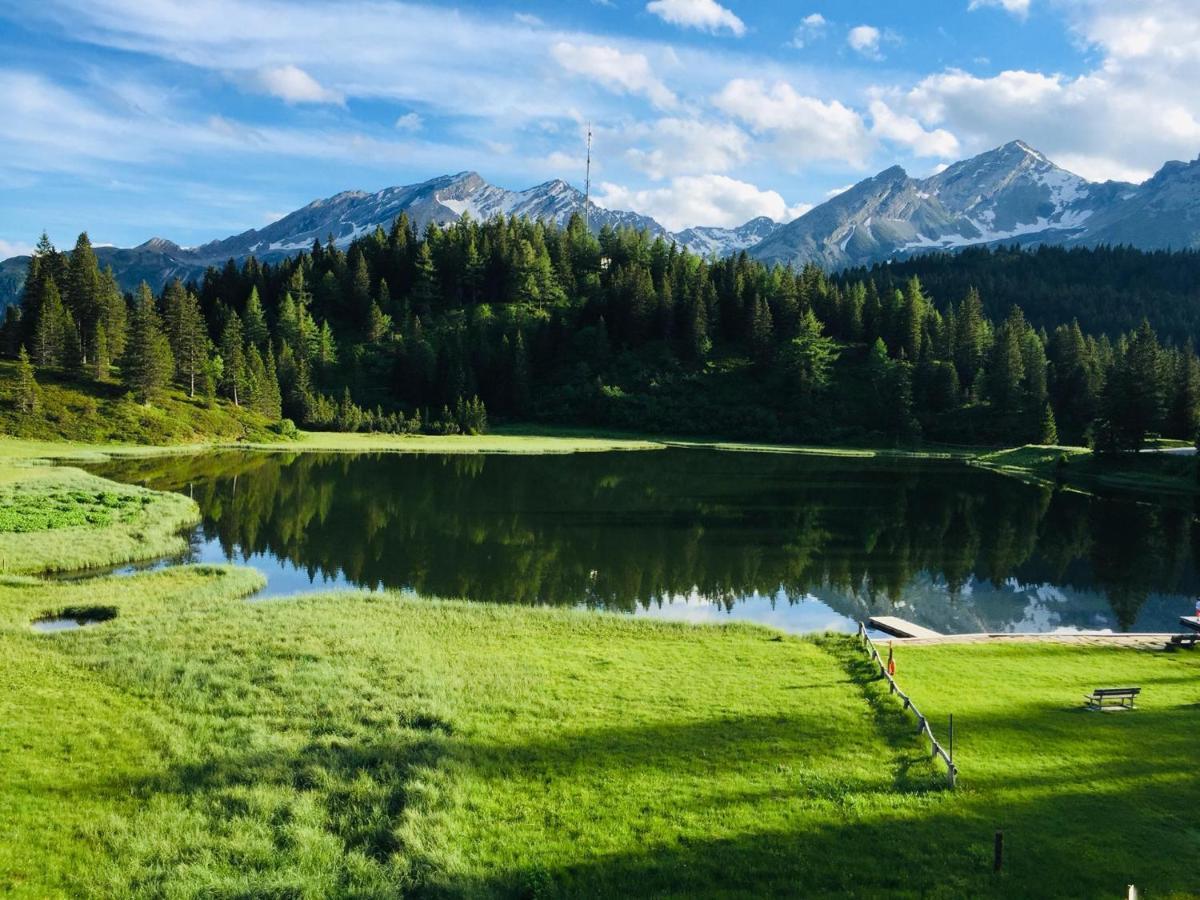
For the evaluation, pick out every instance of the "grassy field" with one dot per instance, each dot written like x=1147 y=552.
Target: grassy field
x=368 y=745
x=1088 y=802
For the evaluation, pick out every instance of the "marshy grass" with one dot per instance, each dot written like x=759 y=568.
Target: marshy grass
x=63 y=519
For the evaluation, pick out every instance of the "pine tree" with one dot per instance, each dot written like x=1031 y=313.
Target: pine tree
x=113 y=313
x=26 y=393
x=101 y=360
x=970 y=337
x=425 y=287
x=1049 y=426
x=1007 y=368
x=272 y=397
x=83 y=296
x=147 y=366
x=1133 y=395
x=254 y=322
x=808 y=359
x=188 y=333
x=378 y=324
x=762 y=334
x=54 y=327
x=233 y=360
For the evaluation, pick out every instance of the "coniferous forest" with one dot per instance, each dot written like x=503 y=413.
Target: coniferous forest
x=519 y=321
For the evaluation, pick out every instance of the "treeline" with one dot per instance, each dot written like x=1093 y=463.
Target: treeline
x=435 y=331
x=1109 y=289
x=75 y=320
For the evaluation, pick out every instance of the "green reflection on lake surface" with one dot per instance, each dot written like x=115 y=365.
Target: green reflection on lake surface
x=942 y=544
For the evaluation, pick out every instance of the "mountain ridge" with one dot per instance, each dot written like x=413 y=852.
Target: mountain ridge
x=1012 y=194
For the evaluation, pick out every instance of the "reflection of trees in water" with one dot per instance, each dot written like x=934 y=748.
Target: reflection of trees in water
x=614 y=530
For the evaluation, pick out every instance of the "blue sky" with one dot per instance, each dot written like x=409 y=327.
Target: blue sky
x=195 y=120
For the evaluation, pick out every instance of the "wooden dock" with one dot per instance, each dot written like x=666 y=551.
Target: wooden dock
x=1192 y=622
x=900 y=628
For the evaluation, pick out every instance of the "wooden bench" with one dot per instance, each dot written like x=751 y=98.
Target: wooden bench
x=1122 y=698
x=1184 y=640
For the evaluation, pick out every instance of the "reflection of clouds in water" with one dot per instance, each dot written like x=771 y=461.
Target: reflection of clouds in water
x=807 y=614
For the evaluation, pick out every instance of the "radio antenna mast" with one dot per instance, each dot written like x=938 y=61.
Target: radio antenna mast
x=587 y=185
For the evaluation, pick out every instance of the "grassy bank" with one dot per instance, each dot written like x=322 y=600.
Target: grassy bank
x=60 y=519
x=1147 y=473
x=89 y=412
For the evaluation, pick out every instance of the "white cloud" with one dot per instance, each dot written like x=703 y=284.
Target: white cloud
x=410 y=122
x=684 y=146
x=811 y=28
x=706 y=15
x=625 y=73
x=837 y=190
x=803 y=128
x=564 y=165
x=529 y=19
x=293 y=85
x=1019 y=8
x=907 y=132
x=1134 y=109
x=1102 y=124
x=701 y=200
x=865 y=40
x=14 y=248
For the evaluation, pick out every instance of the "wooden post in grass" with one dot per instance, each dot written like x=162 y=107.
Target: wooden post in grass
x=998 y=859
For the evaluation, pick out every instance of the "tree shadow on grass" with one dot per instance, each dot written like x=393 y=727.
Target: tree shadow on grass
x=1062 y=842
x=913 y=766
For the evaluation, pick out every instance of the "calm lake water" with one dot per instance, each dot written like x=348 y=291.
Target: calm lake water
x=800 y=542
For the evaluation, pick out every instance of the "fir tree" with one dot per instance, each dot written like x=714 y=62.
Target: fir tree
x=233 y=360
x=1049 y=427
x=26 y=389
x=101 y=359
x=55 y=329
x=147 y=365
x=83 y=296
x=254 y=321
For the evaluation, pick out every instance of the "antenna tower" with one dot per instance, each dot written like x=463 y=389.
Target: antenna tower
x=587 y=185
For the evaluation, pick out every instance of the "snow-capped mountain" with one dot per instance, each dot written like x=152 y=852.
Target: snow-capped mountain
x=1010 y=194
x=708 y=240
x=440 y=201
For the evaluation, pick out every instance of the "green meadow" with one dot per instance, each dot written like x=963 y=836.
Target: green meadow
x=363 y=744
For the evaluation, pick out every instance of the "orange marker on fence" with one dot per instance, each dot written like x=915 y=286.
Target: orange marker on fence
x=891 y=666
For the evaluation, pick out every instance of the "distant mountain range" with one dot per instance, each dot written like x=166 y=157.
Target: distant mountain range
x=1012 y=194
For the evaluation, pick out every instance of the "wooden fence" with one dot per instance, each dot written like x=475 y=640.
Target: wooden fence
x=935 y=748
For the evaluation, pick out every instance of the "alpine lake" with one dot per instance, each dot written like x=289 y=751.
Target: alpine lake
x=799 y=542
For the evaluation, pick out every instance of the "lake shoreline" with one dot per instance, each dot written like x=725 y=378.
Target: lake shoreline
x=1148 y=474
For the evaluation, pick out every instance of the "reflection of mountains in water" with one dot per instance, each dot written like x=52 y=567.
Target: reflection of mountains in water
x=953 y=548
x=977 y=607
x=1014 y=607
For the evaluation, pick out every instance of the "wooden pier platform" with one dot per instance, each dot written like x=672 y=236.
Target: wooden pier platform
x=899 y=628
